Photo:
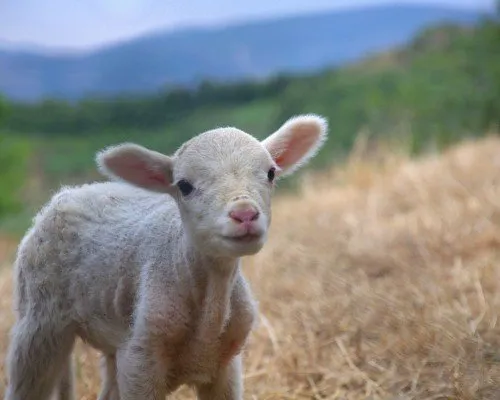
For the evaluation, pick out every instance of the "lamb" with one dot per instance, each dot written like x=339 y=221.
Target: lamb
x=146 y=266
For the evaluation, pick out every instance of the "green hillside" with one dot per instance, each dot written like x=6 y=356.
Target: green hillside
x=441 y=87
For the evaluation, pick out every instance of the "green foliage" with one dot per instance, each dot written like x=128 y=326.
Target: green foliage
x=444 y=87
x=441 y=87
x=13 y=161
x=55 y=118
x=3 y=107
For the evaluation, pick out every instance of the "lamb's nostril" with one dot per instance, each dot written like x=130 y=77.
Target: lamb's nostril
x=245 y=215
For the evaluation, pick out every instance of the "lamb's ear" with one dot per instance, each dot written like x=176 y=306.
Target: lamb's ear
x=137 y=165
x=296 y=141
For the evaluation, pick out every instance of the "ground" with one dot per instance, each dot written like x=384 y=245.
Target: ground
x=381 y=280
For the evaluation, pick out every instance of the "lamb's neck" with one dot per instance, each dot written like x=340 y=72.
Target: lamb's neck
x=216 y=302
x=217 y=277
x=205 y=267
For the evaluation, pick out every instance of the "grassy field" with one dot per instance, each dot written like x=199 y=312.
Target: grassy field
x=381 y=280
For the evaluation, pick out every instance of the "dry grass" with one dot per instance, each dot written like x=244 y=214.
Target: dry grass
x=380 y=281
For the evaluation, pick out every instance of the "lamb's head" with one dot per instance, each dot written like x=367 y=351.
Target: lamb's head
x=221 y=180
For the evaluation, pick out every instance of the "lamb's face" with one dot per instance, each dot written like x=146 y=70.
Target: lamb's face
x=222 y=180
x=223 y=183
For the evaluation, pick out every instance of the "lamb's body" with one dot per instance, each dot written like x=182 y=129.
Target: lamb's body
x=90 y=244
x=148 y=271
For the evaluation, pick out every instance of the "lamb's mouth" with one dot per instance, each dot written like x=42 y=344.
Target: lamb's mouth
x=245 y=238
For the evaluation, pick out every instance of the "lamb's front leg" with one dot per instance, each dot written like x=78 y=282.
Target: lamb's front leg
x=142 y=370
x=109 y=389
x=228 y=385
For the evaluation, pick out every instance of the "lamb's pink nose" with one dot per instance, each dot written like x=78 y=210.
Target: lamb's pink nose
x=244 y=215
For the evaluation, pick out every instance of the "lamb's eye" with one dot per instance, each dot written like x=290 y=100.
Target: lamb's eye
x=271 y=173
x=185 y=187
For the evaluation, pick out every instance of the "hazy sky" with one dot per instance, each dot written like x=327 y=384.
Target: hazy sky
x=84 y=24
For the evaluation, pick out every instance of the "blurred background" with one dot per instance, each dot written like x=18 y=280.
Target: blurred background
x=76 y=76
x=399 y=82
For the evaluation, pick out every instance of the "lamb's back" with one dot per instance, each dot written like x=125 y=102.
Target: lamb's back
x=98 y=225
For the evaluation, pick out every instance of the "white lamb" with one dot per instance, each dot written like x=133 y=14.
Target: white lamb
x=147 y=270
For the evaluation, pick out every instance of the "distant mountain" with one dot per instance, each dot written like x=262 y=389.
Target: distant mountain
x=250 y=50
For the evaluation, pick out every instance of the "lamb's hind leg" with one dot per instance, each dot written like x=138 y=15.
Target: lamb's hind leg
x=38 y=352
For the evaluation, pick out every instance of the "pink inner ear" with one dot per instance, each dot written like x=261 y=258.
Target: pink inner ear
x=155 y=176
x=298 y=144
x=279 y=160
x=136 y=171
